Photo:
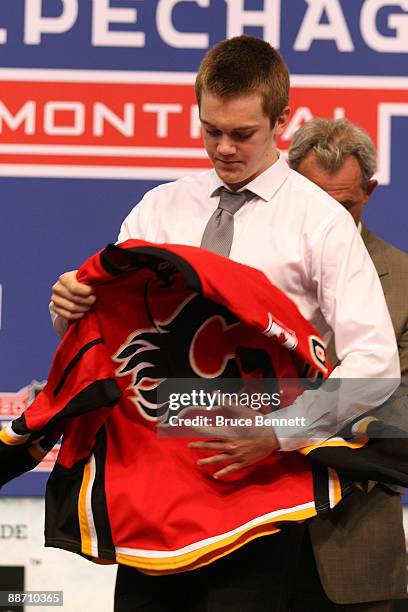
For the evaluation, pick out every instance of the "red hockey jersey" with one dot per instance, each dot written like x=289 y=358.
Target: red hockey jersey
x=119 y=492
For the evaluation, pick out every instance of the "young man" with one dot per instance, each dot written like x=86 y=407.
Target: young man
x=307 y=246
x=360 y=550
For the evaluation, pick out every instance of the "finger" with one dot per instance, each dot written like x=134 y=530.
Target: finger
x=229 y=469
x=236 y=410
x=56 y=296
x=68 y=315
x=212 y=445
x=60 y=303
x=60 y=290
x=214 y=432
x=69 y=281
x=215 y=459
x=229 y=433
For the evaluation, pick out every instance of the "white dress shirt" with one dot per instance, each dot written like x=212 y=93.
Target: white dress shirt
x=309 y=247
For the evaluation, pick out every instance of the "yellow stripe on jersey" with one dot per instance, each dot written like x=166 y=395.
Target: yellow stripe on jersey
x=334 y=487
x=86 y=540
x=11 y=438
x=362 y=441
x=209 y=553
x=361 y=426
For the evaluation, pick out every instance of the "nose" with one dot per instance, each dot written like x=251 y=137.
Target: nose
x=225 y=146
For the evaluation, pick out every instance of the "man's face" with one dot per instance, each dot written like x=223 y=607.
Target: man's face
x=345 y=185
x=238 y=137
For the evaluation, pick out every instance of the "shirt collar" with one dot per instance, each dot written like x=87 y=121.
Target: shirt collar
x=264 y=185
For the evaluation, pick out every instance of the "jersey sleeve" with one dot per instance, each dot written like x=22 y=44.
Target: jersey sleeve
x=81 y=380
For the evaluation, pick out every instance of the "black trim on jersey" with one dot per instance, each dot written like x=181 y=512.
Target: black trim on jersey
x=147 y=305
x=99 y=394
x=19 y=426
x=106 y=549
x=62 y=529
x=381 y=460
x=61 y=507
x=321 y=488
x=103 y=393
x=14 y=461
x=346 y=485
x=73 y=363
x=379 y=429
x=116 y=260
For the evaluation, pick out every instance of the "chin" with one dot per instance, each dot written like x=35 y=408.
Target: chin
x=231 y=177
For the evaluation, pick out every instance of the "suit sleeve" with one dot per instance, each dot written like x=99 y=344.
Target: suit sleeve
x=403 y=351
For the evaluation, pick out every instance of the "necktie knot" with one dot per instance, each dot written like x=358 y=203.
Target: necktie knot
x=231 y=201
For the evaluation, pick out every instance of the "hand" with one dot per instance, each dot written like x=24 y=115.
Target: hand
x=242 y=452
x=71 y=299
x=244 y=447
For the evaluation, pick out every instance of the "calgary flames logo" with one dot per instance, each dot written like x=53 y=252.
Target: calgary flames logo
x=197 y=341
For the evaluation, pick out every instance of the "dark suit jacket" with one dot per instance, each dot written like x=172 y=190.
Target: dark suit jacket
x=360 y=547
x=392 y=267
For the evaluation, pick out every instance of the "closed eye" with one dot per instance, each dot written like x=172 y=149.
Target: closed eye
x=212 y=132
x=238 y=136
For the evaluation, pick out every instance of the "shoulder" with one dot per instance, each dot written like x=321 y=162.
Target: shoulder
x=172 y=194
x=319 y=211
x=163 y=202
x=308 y=191
x=182 y=186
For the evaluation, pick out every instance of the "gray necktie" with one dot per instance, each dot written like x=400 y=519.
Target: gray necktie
x=219 y=230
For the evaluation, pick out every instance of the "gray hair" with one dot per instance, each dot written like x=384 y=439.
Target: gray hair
x=332 y=140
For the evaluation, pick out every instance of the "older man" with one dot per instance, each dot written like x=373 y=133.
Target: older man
x=359 y=552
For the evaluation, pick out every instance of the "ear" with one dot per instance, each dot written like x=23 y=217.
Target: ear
x=282 y=121
x=372 y=184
